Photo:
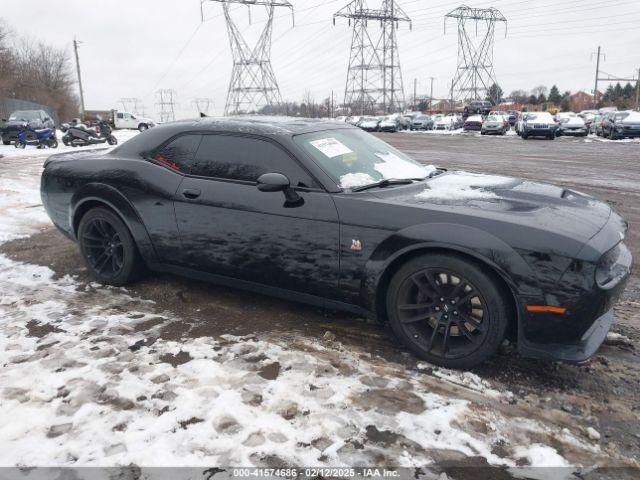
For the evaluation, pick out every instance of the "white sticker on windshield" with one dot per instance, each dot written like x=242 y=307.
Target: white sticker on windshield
x=331 y=147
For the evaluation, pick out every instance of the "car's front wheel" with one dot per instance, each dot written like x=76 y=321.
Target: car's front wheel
x=447 y=310
x=108 y=247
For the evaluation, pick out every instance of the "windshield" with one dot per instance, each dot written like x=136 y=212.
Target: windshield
x=353 y=158
x=492 y=118
x=369 y=119
x=24 y=116
x=541 y=117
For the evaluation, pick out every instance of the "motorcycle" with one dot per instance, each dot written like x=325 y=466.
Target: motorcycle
x=79 y=135
x=42 y=138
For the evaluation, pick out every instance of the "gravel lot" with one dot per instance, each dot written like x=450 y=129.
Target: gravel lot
x=512 y=411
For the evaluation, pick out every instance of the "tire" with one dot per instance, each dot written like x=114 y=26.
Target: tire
x=108 y=248
x=111 y=140
x=6 y=142
x=142 y=127
x=480 y=318
x=19 y=145
x=52 y=143
x=525 y=136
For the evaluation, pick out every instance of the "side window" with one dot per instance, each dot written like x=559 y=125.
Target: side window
x=242 y=158
x=121 y=115
x=179 y=153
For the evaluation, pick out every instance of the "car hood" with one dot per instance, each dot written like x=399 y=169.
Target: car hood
x=17 y=123
x=531 y=204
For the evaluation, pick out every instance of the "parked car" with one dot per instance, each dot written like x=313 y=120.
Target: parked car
x=539 y=124
x=502 y=115
x=369 y=124
x=422 y=122
x=457 y=121
x=521 y=119
x=513 y=117
x=127 y=120
x=443 y=122
x=493 y=124
x=477 y=107
x=473 y=123
x=596 y=125
x=21 y=119
x=326 y=214
x=354 y=120
x=390 y=123
x=622 y=125
x=573 y=126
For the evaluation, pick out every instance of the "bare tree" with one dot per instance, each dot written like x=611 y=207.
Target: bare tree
x=34 y=71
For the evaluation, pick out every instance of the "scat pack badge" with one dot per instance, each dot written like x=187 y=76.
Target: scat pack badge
x=356 y=245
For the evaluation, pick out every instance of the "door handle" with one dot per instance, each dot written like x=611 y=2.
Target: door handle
x=191 y=193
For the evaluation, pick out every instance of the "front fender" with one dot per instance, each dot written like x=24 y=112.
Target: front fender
x=487 y=248
x=91 y=193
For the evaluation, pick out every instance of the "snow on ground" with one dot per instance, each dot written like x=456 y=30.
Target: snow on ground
x=87 y=379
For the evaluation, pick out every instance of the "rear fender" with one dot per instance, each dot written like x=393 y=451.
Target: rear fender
x=114 y=199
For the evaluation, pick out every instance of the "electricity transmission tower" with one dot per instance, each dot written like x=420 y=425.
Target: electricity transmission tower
x=475 y=73
x=253 y=83
x=203 y=105
x=374 y=78
x=166 y=102
x=133 y=105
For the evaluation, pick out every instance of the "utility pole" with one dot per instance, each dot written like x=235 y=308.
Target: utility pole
x=75 y=49
x=638 y=91
x=431 y=93
x=595 y=89
x=415 y=93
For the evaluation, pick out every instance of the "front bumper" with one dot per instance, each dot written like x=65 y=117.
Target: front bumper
x=579 y=352
x=573 y=131
x=539 y=132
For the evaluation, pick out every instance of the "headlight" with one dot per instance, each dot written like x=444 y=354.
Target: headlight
x=613 y=266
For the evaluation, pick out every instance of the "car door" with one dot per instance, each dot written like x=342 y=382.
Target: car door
x=228 y=227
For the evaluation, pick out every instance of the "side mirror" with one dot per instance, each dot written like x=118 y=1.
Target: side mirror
x=46 y=119
x=273 y=182
x=277 y=182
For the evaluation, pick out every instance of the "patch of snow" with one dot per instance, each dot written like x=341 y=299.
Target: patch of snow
x=541 y=456
x=462 y=186
x=393 y=166
x=351 y=180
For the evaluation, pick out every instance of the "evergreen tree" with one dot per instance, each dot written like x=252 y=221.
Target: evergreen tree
x=542 y=98
x=554 y=95
x=617 y=92
x=494 y=94
x=533 y=99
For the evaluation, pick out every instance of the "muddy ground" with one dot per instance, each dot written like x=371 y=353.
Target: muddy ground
x=603 y=393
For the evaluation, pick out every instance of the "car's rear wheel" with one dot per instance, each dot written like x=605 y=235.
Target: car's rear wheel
x=108 y=247
x=6 y=142
x=447 y=310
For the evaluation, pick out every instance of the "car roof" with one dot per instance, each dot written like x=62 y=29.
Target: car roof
x=258 y=124
x=251 y=125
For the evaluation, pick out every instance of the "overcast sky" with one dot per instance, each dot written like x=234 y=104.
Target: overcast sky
x=132 y=48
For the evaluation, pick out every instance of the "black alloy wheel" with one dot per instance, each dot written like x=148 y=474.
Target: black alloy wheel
x=107 y=247
x=447 y=310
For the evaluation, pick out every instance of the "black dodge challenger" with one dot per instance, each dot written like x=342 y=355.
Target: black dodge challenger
x=324 y=213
